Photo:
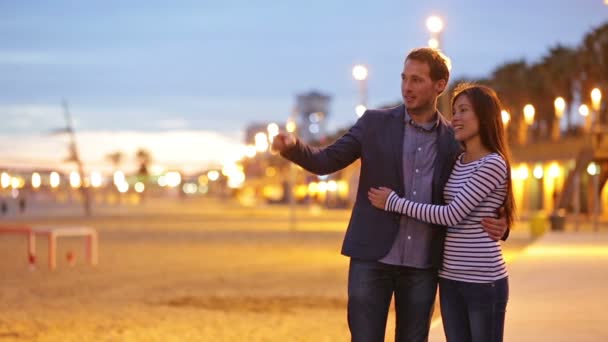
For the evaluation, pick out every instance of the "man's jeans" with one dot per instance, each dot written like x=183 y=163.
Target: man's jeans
x=371 y=285
x=473 y=312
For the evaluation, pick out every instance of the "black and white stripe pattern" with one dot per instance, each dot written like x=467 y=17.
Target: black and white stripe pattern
x=474 y=190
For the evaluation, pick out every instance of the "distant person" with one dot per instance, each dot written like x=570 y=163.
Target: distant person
x=22 y=204
x=473 y=285
x=409 y=148
x=3 y=207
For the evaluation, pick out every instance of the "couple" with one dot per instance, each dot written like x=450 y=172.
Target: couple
x=428 y=197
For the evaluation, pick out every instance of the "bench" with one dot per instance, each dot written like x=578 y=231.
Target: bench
x=31 y=239
x=52 y=233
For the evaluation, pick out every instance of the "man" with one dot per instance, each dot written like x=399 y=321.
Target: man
x=409 y=148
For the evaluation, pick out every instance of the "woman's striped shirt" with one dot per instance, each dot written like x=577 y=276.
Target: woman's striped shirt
x=474 y=190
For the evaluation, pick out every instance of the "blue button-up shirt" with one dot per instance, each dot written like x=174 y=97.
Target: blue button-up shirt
x=412 y=246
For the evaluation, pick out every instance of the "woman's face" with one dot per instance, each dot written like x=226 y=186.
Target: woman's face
x=464 y=121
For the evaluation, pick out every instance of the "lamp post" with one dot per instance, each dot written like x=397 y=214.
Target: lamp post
x=360 y=74
x=435 y=26
x=291 y=127
x=559 y=104
x=583 y=110
x=506 y=118
x=596 y=98
x=593 y=170
x=525 y=124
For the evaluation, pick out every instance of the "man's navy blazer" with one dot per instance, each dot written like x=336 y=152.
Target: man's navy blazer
x=377 y=138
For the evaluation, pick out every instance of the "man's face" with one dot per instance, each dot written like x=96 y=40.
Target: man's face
x=419 y=91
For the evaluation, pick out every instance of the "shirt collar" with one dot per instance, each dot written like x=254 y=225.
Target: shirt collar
x=427 y=127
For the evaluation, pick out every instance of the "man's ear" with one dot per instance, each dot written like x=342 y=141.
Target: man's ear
x=440 y=86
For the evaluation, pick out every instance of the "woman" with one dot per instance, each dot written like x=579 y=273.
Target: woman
x=473 y=283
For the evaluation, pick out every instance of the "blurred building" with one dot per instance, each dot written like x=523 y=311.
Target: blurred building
x=312 y=111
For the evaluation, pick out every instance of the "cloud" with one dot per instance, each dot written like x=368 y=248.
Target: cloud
x=31 y=117
x=185 y=150
x=175 y=123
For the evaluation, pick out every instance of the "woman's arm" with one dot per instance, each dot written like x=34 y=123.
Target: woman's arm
x=482 y=182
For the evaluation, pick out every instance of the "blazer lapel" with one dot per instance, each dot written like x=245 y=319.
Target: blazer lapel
x=447 y=150
x=396 y=131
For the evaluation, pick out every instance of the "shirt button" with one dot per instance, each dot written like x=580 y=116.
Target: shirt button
x=409 y=237
x=414 y=192
x=417 y=170
x=419 y=148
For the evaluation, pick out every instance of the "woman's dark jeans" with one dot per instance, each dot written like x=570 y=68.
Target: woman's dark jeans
x=473 y=312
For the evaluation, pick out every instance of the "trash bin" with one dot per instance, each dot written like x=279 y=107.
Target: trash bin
x=558 y=220
x=538 y=224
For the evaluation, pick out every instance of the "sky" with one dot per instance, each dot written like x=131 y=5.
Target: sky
x=184 y=78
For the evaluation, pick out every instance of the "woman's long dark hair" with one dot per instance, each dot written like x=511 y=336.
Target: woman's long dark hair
x=488 y=109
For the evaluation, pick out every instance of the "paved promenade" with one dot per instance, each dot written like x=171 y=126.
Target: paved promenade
x=558 y=290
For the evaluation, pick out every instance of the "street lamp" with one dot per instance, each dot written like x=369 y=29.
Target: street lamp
x=506 y=118
x=583 y=110
x=524 y=124
x=273 y=131
x=560 y=105
x=596 y=98
x=593 y=170
x=529 y=112
x=360 y=74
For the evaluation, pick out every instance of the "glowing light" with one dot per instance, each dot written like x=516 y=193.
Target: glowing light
x=521 y=172
x=583 y=110
x=96 y=179
x=75 y=181
x=538 y=172
x=434 y=24
x=596 y=97
x=162 y=181
x=271 y=171
x=433 y=43
x=273 y=131
x=17 y=183
x=36 y=180
x=560 y=106
x=322 y=187
x=290 y=126
x=261 y=142
x=119 y=178
x=250 y=151
x=190 y=188
x=139 y=187
x=55 y=179
x=236 y=180
x=5 y=180
x=360 y=72
x=123 y=187
x=593 y=169
x=213 y=175
x=360 y=110
x=173 y=178
x=313 y=188
x=529 y=112
x=332 y=186
x=554 y=170
x=506 y=117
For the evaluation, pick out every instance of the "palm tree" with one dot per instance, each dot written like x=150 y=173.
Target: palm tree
x=115 y=159
x=511 y=82
x=594 y=63
x=561 y=71
x=144 y=158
